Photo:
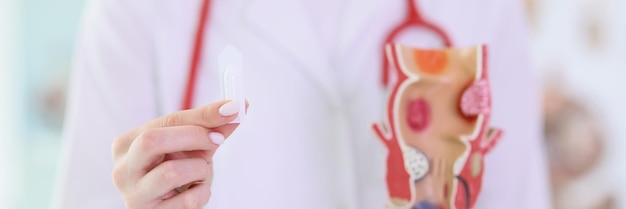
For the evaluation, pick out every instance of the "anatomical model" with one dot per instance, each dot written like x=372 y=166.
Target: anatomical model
x=436 y=131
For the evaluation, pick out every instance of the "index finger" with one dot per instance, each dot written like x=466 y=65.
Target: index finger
x=211 y=116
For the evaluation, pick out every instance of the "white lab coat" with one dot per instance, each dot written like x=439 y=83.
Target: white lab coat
x=312 y=76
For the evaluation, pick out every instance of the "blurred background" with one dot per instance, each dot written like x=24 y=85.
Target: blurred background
x=579 y=55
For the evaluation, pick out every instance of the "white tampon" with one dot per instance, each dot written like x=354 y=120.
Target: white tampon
x=231 y=67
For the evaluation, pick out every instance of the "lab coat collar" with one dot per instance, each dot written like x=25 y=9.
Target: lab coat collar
x=288 y=29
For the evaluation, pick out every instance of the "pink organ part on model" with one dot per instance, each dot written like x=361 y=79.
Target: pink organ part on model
x=475 y=99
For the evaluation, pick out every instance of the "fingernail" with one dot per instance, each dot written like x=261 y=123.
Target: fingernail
x=216 y=138
x=229 y=108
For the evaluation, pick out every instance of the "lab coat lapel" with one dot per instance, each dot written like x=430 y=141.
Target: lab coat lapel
x=287 y=28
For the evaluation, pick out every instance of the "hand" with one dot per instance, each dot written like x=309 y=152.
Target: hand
x=167 y=162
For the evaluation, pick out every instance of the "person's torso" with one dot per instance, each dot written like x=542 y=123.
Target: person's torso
x=312 y=76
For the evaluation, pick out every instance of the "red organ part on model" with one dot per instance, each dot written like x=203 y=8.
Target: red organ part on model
x=419 y=115
x=437 y=113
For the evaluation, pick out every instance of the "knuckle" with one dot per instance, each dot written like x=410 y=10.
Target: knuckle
x=118 y=147
x=171 y=120
x=133 y=199
x=132 y=204
x=148 y=140
x=207 y=115
x=171 y=172
x=118 y=175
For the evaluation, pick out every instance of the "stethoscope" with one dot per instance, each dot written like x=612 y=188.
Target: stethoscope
x=196 y=55
x=412 y=19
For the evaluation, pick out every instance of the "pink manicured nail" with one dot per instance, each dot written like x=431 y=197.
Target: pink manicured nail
x=229 y=108
x=216 y=138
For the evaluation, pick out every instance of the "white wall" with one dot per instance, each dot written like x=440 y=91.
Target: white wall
x=8 y=111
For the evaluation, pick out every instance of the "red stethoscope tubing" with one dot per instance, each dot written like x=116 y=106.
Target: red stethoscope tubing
x=196 y=55
x=412 y=19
